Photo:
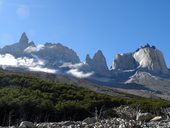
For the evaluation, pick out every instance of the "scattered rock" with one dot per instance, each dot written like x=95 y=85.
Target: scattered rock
x=26 y=124
x=143 y=116
x=89 y=120
x=157 y=118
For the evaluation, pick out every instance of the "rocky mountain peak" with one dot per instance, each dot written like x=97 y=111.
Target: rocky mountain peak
x=151 y=59
x=147 y=58
x=98 y=56
x=97 y=63
x=24 y=39
x=32 y=44
x=57 y=54
x=124 y=62
x=88 y=59
x=17 y=49
x=100 y=59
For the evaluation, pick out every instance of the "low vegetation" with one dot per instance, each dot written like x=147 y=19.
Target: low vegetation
x=26 y=97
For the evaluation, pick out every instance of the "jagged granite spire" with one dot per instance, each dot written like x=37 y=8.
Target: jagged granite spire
x=24 y=39
x=97 y=63
x=17 y=49
x=88 y=59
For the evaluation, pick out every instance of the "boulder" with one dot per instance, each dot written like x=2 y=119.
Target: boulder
x=26 y=124
x=157 y=118
x=90 y=120
x=143 y=116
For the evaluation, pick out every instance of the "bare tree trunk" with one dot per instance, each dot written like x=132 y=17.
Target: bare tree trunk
x=9 y=118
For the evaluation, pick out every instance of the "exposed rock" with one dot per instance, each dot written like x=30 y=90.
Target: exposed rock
x=145 y=69
x=155 y=84
x=88 y=59
x=126 y=112
x=17 y=49
x=54 y=54
x=104 y=123
x=24 y=39
x=151 y=60
x=143 y=116
x=124 y=62
x=157 y=118
x=90 y=120
x=146 y=58
x=57 y=54
x=97 y=63
x=26 y=124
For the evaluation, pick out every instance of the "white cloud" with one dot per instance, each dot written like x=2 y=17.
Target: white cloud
x=30 y=49
x=23 y=11
x=77 y=70
x=79 y=74
x=31 y=64
x=36 y=64
x=39 y=46
x=40 y=69
x=70 y=65
x=8 y=60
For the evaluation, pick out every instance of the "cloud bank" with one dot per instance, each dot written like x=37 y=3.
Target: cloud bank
x=38 y=65
x=8 y=60
x=69 y=65
x=79 y=74
x=76 y=70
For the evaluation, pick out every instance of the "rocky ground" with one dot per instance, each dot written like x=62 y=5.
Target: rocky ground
x=91 y=123
x=108 y=123
x=124 y=117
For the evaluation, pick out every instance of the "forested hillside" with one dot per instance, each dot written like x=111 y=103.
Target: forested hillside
x=26 y=97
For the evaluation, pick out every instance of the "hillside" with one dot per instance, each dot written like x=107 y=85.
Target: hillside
x=26 y=97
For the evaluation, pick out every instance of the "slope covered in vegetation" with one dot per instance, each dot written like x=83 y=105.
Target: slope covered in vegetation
x=26 y=97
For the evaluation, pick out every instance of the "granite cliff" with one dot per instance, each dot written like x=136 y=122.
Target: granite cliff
x=147 y=58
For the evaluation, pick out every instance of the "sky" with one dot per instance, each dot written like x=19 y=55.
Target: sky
x=113 y=26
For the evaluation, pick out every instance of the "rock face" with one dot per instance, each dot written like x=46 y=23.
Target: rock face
x=153 y=83
x=145 y=69
x=53 y=54
x=24 y=39
x=124 y=62
x=146 y=58
x=57 y=54
x=17 y=49
x=97 y=63
x=151 y=60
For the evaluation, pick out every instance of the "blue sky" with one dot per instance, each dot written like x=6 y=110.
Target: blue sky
x=114 y=26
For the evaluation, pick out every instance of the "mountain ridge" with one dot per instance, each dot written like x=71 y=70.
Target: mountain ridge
x=130 y=71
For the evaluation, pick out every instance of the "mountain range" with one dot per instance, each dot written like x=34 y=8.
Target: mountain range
x=143 y=72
